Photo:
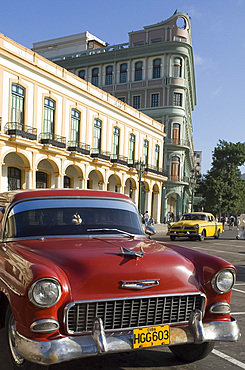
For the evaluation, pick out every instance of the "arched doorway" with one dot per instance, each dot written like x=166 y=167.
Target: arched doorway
x=114 y=184
x=95 y=180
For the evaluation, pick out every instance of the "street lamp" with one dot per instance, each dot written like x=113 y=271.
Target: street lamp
x=140 y=168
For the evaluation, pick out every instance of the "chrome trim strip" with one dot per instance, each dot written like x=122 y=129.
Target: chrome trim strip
x=11 y=288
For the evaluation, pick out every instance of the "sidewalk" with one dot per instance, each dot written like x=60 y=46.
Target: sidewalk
x=161 y=228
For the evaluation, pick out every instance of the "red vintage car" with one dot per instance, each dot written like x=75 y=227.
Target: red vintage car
x=78 y=277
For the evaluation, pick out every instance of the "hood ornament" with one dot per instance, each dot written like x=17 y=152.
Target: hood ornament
x=139 y=284
x=129 y=253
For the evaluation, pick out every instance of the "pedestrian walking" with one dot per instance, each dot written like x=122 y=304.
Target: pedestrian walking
x=146 y=217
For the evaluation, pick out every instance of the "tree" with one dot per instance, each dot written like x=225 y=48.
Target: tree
x=222 y=187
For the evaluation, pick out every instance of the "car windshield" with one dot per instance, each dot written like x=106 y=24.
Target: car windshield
x=48 y=217
x=194 y=217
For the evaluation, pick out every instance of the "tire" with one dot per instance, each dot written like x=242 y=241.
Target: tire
x=202 y=236
x=217 y=235
x=192 y=352
x=16 y=361
x=172 y=237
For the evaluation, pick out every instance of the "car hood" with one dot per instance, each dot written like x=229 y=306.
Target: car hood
x=96 y=267
x=188 y=222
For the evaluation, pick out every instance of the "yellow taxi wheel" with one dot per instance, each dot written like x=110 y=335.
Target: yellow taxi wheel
x=202 y=236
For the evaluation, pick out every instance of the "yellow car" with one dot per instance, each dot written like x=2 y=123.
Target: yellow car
x=195 y=225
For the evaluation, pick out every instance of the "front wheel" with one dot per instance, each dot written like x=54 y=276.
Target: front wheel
x=17 y=362
x=192 y=352
x=217 y=235
x=202 y=236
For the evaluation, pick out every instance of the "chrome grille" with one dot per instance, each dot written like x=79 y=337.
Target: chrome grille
x=122 y=314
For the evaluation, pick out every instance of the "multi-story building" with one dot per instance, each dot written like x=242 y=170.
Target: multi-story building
x=154 y=73
x=58 y=130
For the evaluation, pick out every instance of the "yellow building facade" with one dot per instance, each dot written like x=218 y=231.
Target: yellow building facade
x=58 y=130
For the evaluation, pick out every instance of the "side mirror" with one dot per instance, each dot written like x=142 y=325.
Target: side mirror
x=150 y=230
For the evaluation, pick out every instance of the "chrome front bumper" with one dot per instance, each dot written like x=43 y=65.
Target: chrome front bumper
x=182 y=234
x=71 y=348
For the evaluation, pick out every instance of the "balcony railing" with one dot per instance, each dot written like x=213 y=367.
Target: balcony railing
x=19 y=129
x=74 y=146
x=156 y=169
x=176 y=178
x=100 y=154
x=178 y=142
x=49 y=138
x=120 y=159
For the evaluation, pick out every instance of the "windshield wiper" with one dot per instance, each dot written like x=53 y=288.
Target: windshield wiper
x=118 y=230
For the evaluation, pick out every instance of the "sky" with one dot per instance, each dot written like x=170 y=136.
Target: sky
x=218 y=40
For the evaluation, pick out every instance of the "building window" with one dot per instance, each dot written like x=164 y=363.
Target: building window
x=49 y=113
x=139 y=43
x=108 y=75
x=131 y=152
x=176 y=134
x=67 y=182
x=41 y=180
x=95 y=76
x=177 y=99
x=97 y=135
x=146 y=152
x=175 y=161
x=138 y=71
x=136 y=101
x=157 y=68
x=156 y=40
x=177 y=67
x=115 y=144
x=123 y=72
x=17 y=104
x=75 y=127
x=157 y=152
x=154 y=100
x=14 y=178
x=81 y=74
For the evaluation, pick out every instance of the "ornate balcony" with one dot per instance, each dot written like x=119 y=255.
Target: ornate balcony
x=19 y=129
x=74 y=146
x=181 y=179
x=119 y=159
x=156 y=169
x=49 y=138
x=100 y=154
x=177 y=142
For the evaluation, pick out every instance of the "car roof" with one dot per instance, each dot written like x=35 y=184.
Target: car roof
x=198 y=213
x=17 y=195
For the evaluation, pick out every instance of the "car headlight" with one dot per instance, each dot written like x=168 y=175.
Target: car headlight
x=197 y=226
x=45 y=292
x=223 y=281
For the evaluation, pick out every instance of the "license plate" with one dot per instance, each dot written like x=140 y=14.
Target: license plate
x=181 y=234
x=151 y=336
